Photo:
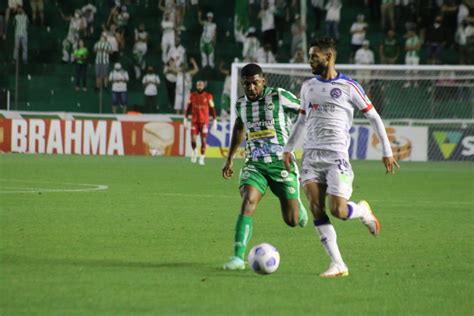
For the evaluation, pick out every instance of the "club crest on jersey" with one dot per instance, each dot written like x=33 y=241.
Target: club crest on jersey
x=335 y=93
x=269 y=107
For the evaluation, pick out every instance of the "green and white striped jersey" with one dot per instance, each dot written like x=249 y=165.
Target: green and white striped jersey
x=268 y=123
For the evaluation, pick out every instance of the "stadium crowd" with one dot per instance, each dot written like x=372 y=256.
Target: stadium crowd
x=266 y=31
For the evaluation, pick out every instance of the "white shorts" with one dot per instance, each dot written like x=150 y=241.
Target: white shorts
x=328 y=167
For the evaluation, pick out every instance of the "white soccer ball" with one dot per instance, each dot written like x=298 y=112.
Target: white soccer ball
x=264 y=258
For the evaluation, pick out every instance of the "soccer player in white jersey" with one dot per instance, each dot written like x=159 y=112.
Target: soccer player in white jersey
x=264 y=120
x=327 y=109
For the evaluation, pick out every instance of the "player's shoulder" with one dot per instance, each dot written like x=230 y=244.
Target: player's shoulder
x=309 y=82
x=344 y=79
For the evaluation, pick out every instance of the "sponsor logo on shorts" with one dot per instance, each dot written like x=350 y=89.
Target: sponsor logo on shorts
x=291 y=190
x=284 y=173
x=245 y=175
x=335 y=93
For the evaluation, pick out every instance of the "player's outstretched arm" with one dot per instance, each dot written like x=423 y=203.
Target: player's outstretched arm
x=295 y=135
x=238 y=134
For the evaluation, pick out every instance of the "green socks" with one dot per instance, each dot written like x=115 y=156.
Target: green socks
x=243 y=233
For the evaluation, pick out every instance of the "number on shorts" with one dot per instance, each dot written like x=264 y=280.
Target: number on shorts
x=342 y=164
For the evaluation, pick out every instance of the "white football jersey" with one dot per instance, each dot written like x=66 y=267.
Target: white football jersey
x=329 y=109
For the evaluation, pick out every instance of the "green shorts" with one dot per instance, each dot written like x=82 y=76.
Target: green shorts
x=262 y=175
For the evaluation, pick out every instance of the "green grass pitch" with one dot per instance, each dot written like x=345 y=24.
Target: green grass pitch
x=154 y=241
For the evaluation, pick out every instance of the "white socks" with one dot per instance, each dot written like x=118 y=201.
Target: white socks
x=328 y=239
x=356 y=210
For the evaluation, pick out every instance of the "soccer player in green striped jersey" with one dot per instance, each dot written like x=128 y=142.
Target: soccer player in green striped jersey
x=264 y=120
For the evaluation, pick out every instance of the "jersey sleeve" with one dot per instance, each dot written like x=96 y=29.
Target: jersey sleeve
x=358 y=98
x=289 y=101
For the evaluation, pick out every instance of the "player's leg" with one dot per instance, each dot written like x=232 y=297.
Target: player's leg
x=204 y=131
x=288 y=192
x=316 y=193
x=194 y=133
x=252 y=187
x=339 y=179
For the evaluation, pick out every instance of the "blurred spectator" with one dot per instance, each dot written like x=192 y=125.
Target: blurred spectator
x=11 y=9
x=333 y=17
x=119 y=16
x=140 y=49
x=358 y=30
x=102 y=50
x=389 y=49
x=265 y=55
x=168 y=30
x=180 y=11
x=88 y=12
x=282 y=17
x=115 y=41
x=177 y=52
x=208 y=39
x=364 y=56
x=267 y=18
x=463 y=12
x=449 y=11
x=298 y=31
x=80 y=56
x=119 y=78
x=170 y=71
x=465 y=40
x=76 y=25
x=225 y=98
x=251 y=46
x=318 y=9
x=387 y=9
x=151 y=81
x=37 y=10
x=435 y=40
x=21 y=35
x=168 y=6
x=184 y=84
x=412 y=52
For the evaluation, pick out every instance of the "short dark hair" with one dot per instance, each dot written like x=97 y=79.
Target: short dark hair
x=324 y=43
x=251 y=70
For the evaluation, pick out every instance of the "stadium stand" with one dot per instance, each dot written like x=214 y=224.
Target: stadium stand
x=46 y=84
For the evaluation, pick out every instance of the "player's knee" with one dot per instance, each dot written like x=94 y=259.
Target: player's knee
x=316 y=207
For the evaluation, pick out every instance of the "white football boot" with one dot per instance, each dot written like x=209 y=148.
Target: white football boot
x=201 y=160
x=335 y=270
x=194 y=156
x=235 y=263
x=370 y=221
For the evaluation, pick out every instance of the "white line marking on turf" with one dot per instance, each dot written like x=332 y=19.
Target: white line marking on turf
x=86 y=187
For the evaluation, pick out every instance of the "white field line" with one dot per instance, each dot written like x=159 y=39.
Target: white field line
x=86 y=187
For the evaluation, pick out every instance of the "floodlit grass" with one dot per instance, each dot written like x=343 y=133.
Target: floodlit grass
x=152 y=240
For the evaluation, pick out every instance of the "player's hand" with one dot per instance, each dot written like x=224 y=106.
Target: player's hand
x=287 y=160
x=214 y=126
x=227 y=171
x=186 y=123
x=390 y=164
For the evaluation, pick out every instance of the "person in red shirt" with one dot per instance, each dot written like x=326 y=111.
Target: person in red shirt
x=200 y=104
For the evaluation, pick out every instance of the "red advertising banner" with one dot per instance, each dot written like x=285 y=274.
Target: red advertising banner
x=91 y=137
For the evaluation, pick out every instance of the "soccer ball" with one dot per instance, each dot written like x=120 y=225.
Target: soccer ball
x=264 y=258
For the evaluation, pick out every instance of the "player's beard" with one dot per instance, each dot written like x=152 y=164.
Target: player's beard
x=319 y=69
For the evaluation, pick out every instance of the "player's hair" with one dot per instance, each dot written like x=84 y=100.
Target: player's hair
x=324 y=44
x=251 y=70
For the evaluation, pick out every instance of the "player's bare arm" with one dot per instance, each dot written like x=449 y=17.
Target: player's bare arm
x=295 y=135
x=238 y=135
